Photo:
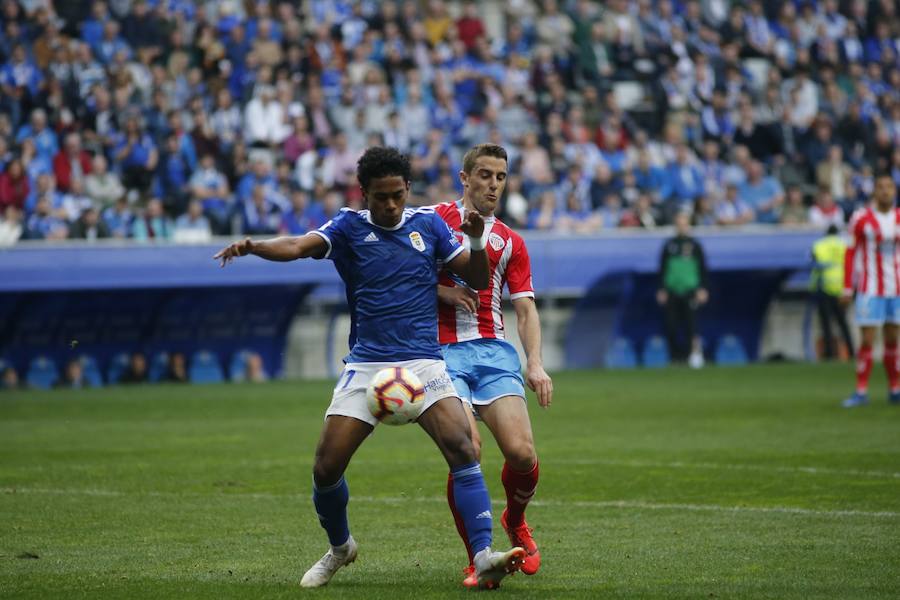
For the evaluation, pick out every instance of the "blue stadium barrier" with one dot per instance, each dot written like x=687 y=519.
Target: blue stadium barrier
x=117 y=367
x=655 y=353
x=91 y=371
x=730 y=351
x=238 y=367
x=42 y=373
x=159 y=366
x=621 y=354
x=205 y=368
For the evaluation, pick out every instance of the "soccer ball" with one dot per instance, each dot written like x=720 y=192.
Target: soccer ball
x=395 y=396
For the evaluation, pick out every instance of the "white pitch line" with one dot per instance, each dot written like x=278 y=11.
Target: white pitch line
x=733 y=467
x=620 y=504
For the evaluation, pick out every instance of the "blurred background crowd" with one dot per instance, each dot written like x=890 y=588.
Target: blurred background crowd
x=173 y=119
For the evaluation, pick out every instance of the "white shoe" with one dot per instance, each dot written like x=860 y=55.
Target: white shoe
x=321 y=573
x=695 y=361
x=491 y=567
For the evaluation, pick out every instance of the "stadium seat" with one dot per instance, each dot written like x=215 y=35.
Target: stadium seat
x=730 y=351
x=238 y=367
x=158 y=367
x=91 y=371
x=656 y=353
x=621 y=354
x=42 y=373
x=116 y=368
x=205 y=368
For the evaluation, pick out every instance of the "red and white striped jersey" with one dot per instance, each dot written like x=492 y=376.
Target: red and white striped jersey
x=509 y=265
x=872 y=262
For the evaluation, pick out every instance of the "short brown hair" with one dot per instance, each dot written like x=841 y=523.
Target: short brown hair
x=482 y=150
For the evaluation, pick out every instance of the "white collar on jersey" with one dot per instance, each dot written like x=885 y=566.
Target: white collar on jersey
x=403 y=217
x=462 y=213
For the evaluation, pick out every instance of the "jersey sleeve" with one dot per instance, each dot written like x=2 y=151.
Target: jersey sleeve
x=518 y=278
x=335 y=234
x=447 y=247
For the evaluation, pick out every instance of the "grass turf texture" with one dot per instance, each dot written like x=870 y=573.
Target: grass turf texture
x=725 y=483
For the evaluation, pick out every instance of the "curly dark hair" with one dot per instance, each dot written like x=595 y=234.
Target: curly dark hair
x=379 y=161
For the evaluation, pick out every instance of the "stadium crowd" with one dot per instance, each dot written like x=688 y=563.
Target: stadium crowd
x=173 y=119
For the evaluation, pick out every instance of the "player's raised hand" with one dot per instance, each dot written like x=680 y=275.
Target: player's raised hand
x=540 y=383
x=463 y=297
x=232 y=251
x=473 y=224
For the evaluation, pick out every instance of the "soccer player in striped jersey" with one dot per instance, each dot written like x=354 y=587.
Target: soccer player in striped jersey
x=389 y=258
x=872 y=268
x=485 y=368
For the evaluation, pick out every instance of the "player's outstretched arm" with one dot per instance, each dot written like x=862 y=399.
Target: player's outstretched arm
x=282 y=249
x=473 y=266
x=529 y=325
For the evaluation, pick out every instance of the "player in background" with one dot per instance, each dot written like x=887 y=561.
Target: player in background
x=388 y=258
x=485 y=368
x=872 y=268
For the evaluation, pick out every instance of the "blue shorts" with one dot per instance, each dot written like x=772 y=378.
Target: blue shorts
x=874 y=310
x=484 y=370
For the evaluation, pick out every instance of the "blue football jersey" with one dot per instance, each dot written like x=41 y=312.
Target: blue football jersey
x=391 y=276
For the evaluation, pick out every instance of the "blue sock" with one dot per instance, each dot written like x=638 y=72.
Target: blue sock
x=331 y=506
x=474 y=504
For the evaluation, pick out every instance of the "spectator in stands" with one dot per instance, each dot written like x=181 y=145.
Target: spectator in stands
x=210 y=187
x=73 y=376
x=176 y=370
x=136 y=372
x=9 y=379
x=172 y=177
x=794 y=211
x=14 y=185
x=137 y=154
x=89 y=226
x=762 y=193
x=192 y=227
x=303 y=215
x=544 y=215
x=261 y=216
x=72 y=162
x=152 y=224
x=825 y=212
x=10 y=226
x=118 y=218
x=44 y=224
x=834 y=174
x=682 y=290
x=102 y=186
x=732 y=210
x=683 y=182
x=45 y=139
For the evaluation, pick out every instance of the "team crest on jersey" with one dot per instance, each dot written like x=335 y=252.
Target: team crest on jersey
x=417 y=242
x=496 y=242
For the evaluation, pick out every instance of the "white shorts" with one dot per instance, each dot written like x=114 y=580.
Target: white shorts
x=349 y=397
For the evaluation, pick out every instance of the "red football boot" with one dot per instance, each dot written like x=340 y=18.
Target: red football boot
x=521 y=536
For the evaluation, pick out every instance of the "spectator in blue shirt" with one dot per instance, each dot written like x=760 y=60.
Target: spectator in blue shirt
x=44 y=224
x=762 y=193
x=684 y=181
x=45 y=139
x=135 y=151
x=210 y=187
x=172 y=178
x=153 y=224
x=118 y=218
x=261 y=217
x=303 y=215
x=111 y=43
x=260 y=175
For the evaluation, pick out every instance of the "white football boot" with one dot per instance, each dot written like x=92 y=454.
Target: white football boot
x=491 y=567
x=321 y=573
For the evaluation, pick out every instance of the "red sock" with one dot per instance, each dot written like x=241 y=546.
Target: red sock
x=519 y=491
x=460 y=524
x=891 y=367
x=863 y=368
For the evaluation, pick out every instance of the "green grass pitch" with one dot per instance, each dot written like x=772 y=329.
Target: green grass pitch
x=724 y=483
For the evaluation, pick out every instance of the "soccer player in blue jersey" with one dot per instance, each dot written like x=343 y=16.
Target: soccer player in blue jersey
x=388 y=257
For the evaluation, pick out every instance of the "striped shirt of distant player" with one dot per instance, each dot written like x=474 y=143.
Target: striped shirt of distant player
x=872 y=261
x=510 y=265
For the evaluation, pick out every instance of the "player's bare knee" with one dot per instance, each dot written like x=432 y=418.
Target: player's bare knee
x=459 y=450
x=521 y=455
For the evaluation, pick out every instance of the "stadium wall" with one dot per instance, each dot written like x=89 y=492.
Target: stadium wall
x=103 y=299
